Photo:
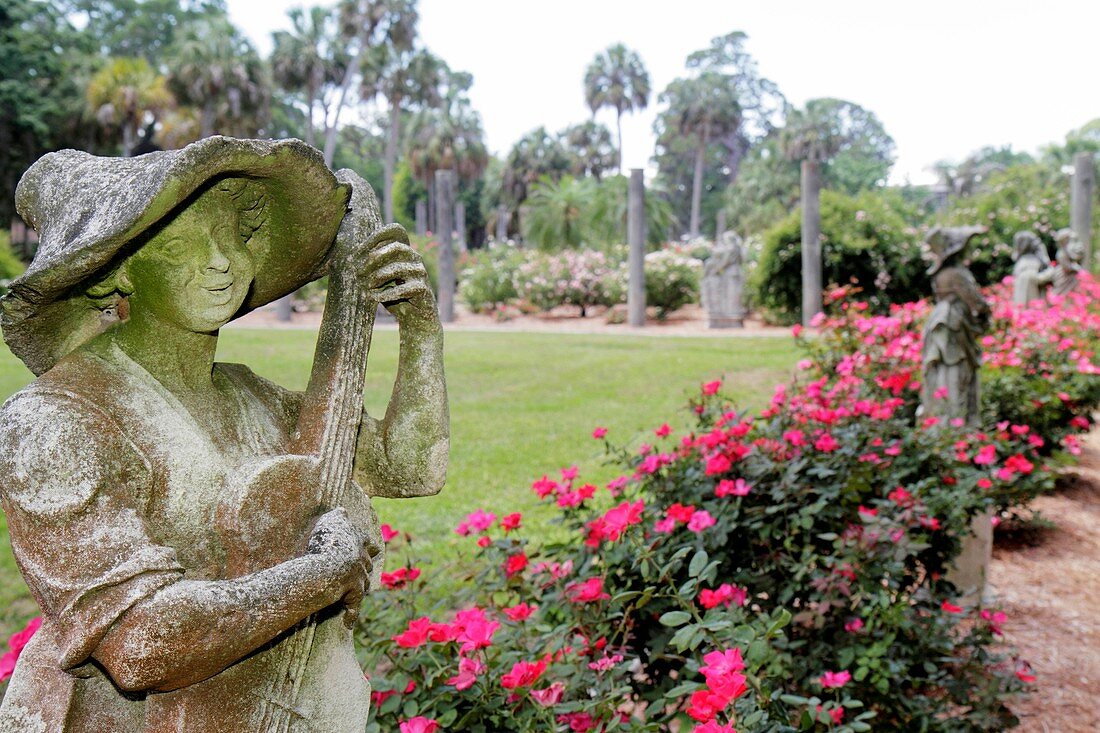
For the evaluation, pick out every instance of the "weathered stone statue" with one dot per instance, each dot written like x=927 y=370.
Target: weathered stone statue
x=1032 y=268
x=1067 y=262
x=951 y=360
x=951 y=355
x=197 y=537
x=724 y=284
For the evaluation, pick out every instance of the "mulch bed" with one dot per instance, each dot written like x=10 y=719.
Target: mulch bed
x=1048 y=582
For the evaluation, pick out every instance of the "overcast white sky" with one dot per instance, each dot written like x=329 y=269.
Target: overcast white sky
x=945 y=77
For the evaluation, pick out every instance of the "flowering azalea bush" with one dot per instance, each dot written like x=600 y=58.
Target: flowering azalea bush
x=488 y=279
x=572 y=277
x=671 y=280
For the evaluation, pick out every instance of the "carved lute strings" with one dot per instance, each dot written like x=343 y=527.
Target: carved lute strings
x=328 y=424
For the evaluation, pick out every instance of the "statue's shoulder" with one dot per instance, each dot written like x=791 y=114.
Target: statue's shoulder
x=284 y=402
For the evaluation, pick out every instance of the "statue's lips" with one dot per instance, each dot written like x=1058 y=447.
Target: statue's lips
x=221 y=290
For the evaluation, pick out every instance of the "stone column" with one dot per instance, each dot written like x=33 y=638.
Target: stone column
x=444 y=208
x=284 y=308
x=635 y=237
x=811 y=241
x=1084 y=181
x=421 y=217
x=460 y=225
x=502 y=223
x=719 y=226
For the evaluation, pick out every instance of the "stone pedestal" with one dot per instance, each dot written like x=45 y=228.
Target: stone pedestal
x=421 y=217
x=724 y=284
x=460 y=226
x=502 y=223
x=811 y=241
x=635 y=235
x=1084 y=182
x=970 y=572
x=444 y=204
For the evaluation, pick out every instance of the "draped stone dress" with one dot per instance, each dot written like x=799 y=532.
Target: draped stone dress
x=110 y=488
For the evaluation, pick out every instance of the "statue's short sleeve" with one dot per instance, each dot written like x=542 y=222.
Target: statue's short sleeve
x=72 y=486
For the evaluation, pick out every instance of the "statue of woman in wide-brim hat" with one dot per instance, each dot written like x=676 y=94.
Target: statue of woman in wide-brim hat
x=951 y=353
x=161 y=506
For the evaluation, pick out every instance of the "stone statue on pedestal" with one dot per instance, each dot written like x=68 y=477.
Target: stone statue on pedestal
x=197 y=537
x=724 y=284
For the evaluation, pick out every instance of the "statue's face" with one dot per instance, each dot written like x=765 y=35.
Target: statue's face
x=196 y=271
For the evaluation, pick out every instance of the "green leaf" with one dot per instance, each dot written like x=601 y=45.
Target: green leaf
x=675 y=618
x=698 y=563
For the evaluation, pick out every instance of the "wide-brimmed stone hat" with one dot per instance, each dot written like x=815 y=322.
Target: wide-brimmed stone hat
x=947 y=241
x=91 y=211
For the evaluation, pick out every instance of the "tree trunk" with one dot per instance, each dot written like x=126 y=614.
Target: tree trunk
x=697 y=188
x=1084 y=180
x=345 y=85
x=390 y=161
x=811 y=240
x=635 y=237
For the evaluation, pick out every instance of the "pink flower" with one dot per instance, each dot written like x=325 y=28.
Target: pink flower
x=478 y=521
x=700 y=520
x=468 y=670
x=1024 y=673
x=826 y=443
x=415 y=635
x=996 y=620
x=549 y=696
x=605 y=662
x=712 y=387
x=664 y=526
x=796 y=330
x=510 y=522
x=474 y=629
x=833 y=680
x=950 y=607
x=987 y=454
x=724 y=595
x=520 y=611
x=663 y=431
x=586 y=591
x=738 y=487
x=399 y=578
x=514 y=564
x=854 y=625
x=599 y=432
x=523 y=674
x=419 y=724
x=484 y=541
x=568 y=474
x=718 y=463
x=611 y=526
x=388 y=533
x=578 y=722
x=705 y=704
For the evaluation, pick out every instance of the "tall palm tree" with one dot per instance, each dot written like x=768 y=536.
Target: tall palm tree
x=590 y=148
x=305 y=61
x=216 y=69
x=535 y=156
x=367 y=24
x=123 y=93
x=618 y=79
x=402 y=76
x=700 y=109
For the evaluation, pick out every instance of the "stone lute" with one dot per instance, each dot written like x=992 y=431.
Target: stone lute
x=274 y=508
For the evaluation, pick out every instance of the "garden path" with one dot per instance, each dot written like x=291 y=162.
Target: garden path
x=688 y=321
x=1048 y=583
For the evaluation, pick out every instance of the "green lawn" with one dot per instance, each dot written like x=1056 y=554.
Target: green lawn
x=521 y=405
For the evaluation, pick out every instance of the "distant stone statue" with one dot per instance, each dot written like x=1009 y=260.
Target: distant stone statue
x=951 y=356
x=724 y=284
x=197 y=537
x=1067 y=262
x=1032 y=269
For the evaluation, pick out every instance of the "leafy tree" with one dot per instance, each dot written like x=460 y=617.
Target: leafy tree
x=136 y=28
x=536 y=155
x=123 y=93
x=555 y=214
x=41 y=98
x=700 y=109
x=590 y=149
x=618 y=79
x=967 y=177
x=363 y=25
x=401 y=76
x=1086 y=139
x=693 y=164
x=217 y=70
x=308 y=62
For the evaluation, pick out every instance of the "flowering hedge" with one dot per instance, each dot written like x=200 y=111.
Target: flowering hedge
x=504 y=276
x=782 y=571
